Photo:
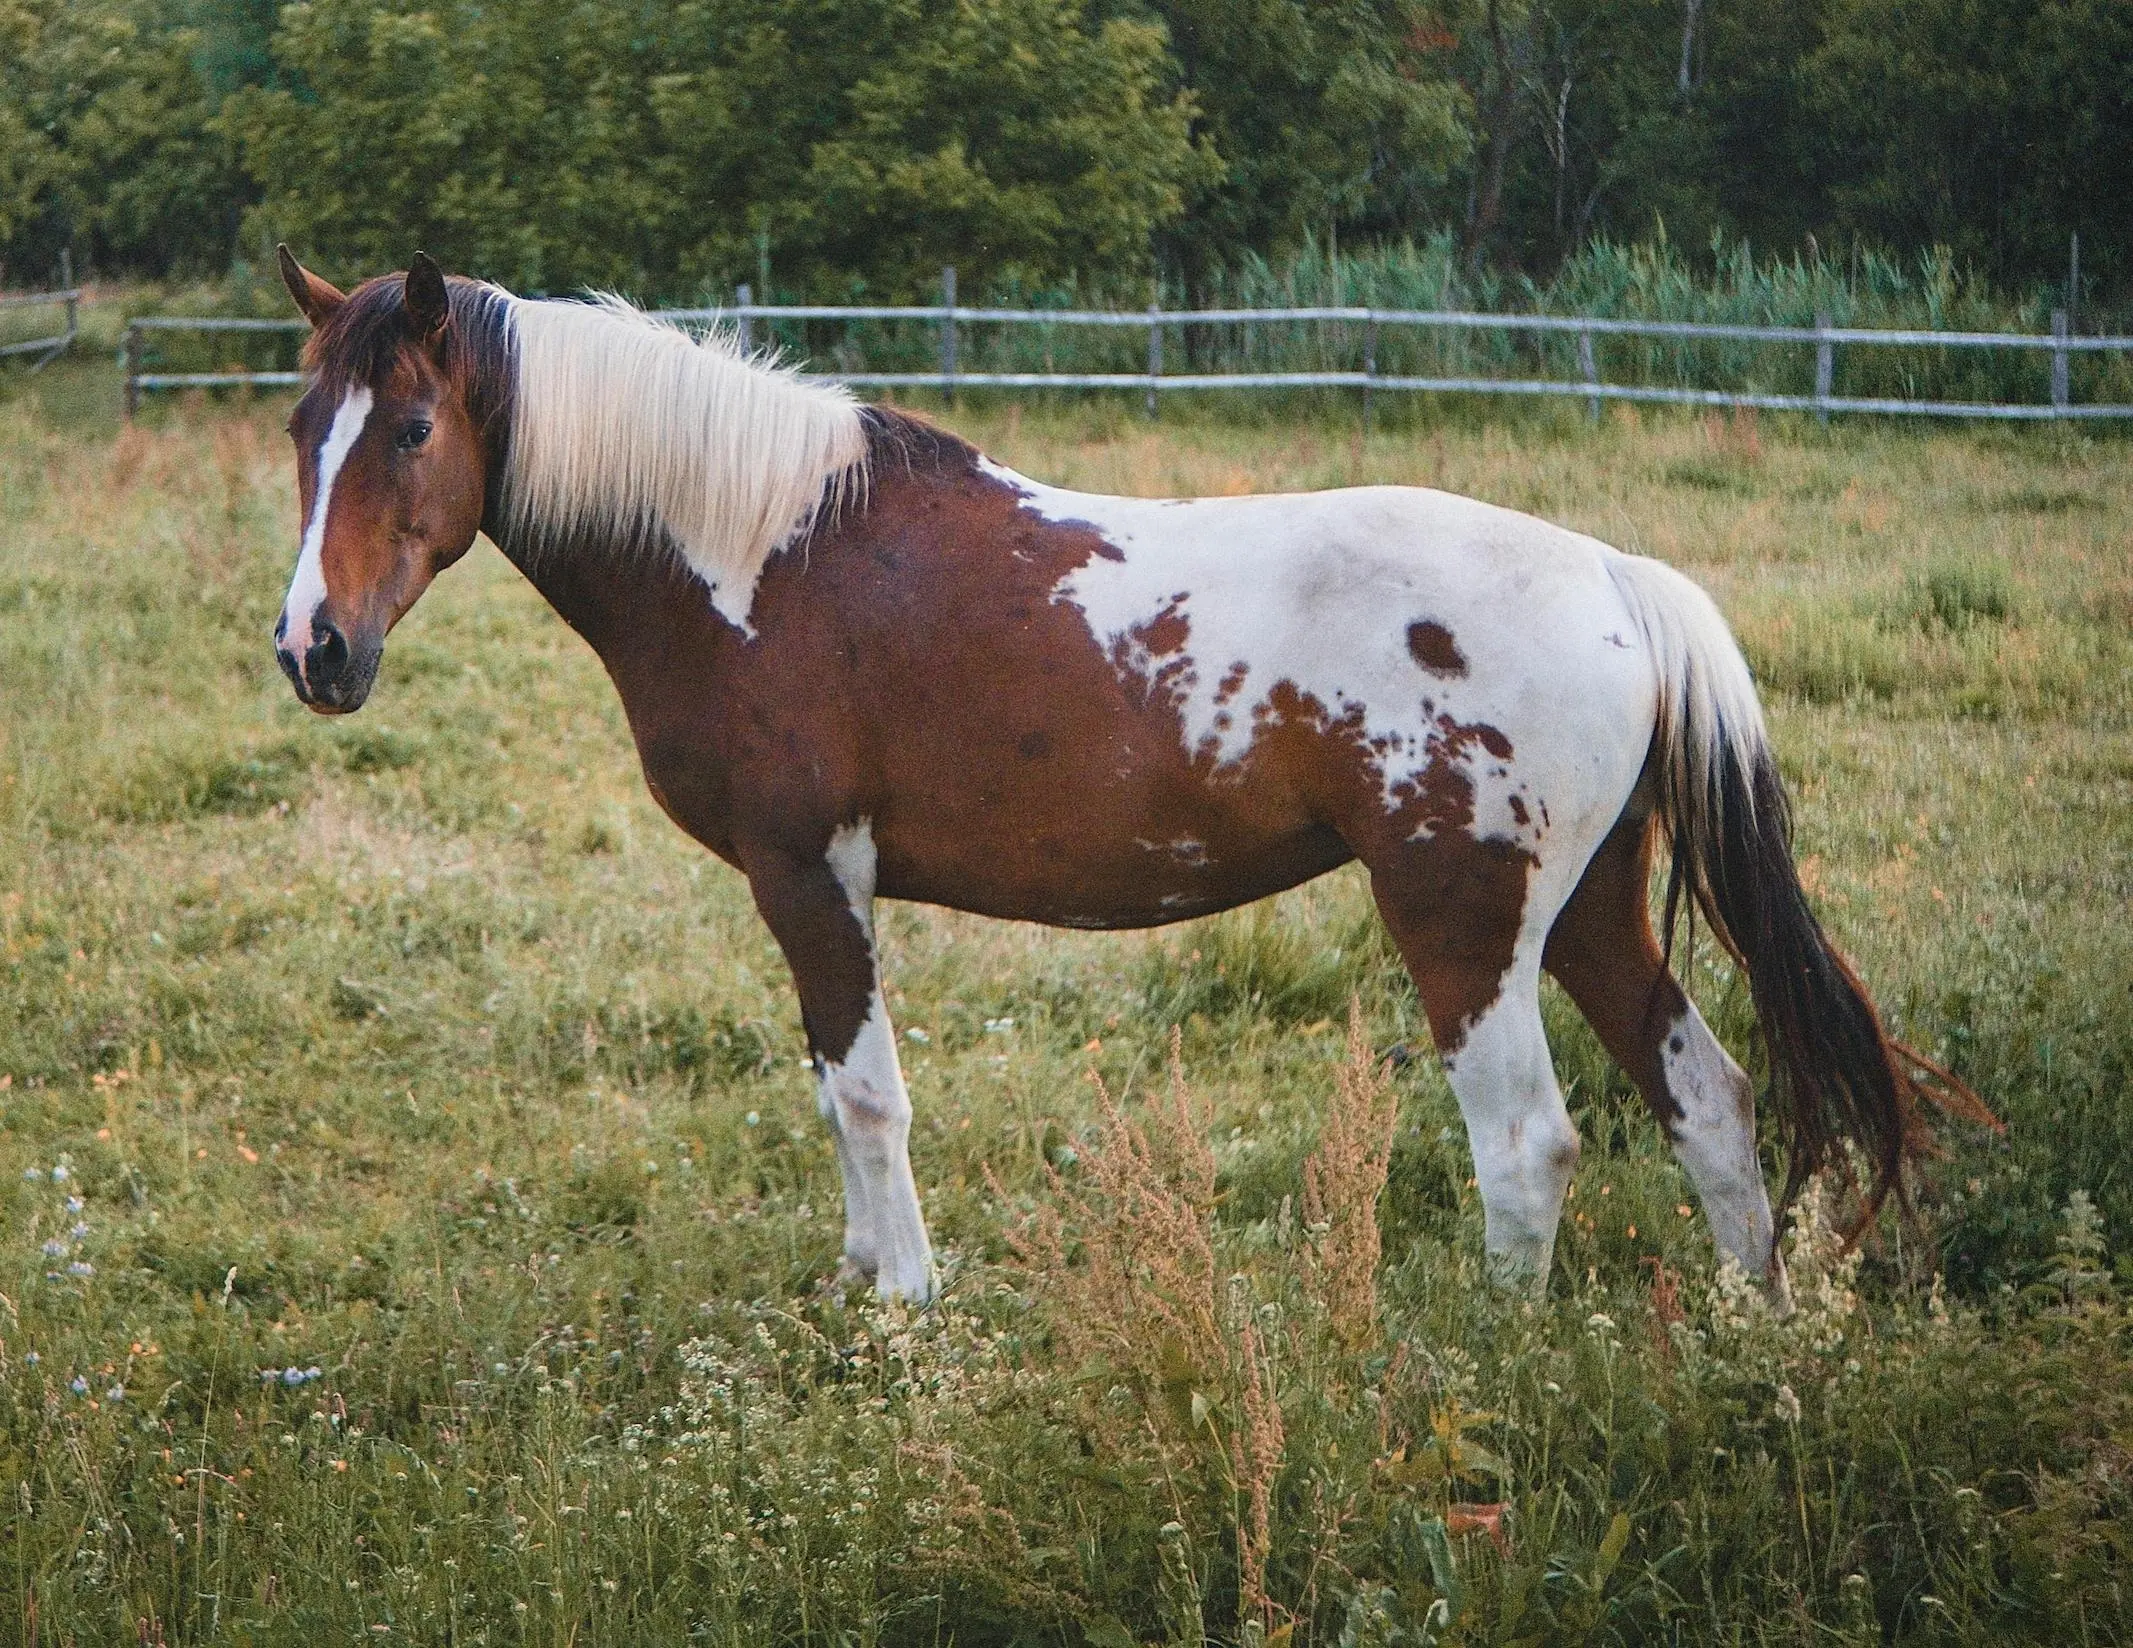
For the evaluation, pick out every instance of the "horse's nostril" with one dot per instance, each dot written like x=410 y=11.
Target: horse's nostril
x=324 y=660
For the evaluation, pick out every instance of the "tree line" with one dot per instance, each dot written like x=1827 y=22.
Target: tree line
x=852 y=147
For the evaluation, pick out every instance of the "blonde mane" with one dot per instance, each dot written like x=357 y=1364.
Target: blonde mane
x=624 y=422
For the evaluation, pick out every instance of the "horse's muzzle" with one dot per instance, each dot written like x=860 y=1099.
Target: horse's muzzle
x=332 y=677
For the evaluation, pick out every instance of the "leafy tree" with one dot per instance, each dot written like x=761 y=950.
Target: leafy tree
x=669 y=148
x=831 y=147
x=1996 y=129
x=28 y=160
x=1325 y=116
x=107 y=140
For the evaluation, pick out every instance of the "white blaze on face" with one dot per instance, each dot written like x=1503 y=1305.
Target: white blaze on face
x=307 y=590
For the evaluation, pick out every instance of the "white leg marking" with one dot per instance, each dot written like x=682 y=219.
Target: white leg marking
x=1525 y=1146
x=874 y=1129
x=865 y=1099
x=307 y=590
x=862 y=1257
x=1715 y=1139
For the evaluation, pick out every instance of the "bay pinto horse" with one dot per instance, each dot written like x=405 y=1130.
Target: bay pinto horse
x=861 y=660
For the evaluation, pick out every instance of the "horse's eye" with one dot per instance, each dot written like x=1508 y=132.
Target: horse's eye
x=414 y=434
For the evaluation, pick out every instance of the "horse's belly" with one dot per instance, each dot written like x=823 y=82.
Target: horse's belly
x=1068 y=868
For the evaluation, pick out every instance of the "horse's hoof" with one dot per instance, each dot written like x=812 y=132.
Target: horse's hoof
x=1777 y=1289
x=911 y=1283
x=850 y=1277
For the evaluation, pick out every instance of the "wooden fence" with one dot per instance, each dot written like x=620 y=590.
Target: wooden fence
x=67 y=298
x=949 y=322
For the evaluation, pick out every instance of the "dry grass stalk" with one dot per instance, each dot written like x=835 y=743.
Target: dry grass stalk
x=1257 y=1448
x=1127 y=1253
x=1667 y=1311
x=1342 y=1183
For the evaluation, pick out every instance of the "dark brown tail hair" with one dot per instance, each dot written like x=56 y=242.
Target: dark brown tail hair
x=1836 y=1075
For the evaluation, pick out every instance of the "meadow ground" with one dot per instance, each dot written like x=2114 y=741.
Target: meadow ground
x=413 y=1211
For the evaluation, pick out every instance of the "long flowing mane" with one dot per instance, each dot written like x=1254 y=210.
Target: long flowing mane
x=625 y=424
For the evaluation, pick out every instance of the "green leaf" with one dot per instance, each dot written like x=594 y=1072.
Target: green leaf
x=1443 y=1567
x=1612 y=1546
x=1108 y=1631
x=1470 y=1460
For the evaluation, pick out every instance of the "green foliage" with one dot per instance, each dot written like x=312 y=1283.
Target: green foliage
x=832 y=148
x=858 y=147
x=1992 y=130
x=1384 y=131
x=107 y=141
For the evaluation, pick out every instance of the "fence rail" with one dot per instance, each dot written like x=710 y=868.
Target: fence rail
x=67 y=297
x=949 y=319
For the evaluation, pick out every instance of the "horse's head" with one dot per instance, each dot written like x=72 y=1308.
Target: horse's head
x=390 y=469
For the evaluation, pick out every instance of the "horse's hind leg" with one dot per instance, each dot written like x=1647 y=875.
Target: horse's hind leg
x=1478 y=973
x=1603 y=951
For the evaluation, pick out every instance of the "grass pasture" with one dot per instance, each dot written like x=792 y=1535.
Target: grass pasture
x=413 y=1211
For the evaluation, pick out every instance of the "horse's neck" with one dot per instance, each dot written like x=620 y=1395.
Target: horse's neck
x=632 y=605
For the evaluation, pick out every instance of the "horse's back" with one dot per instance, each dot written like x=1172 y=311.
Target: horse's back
x=1441 y=630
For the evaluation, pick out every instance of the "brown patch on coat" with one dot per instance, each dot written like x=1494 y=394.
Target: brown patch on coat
x=1434 y=648
x=1167 y=632
x=1453 y=901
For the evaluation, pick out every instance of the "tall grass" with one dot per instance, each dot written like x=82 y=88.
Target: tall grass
x=414 y=1220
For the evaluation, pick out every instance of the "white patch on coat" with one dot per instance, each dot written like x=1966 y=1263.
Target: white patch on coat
x=307 y=589
x=1715 y=1139
x=851 y=859
x=1318 y=590
x=863 y=1098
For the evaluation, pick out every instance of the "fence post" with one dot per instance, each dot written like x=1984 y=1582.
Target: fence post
x=2060 y=386
x=1370 y=365
x=948 y=327
x=1825 y=367
x=744 y=300
x=66 y=283
x=130 y=357
x=1591 y=369
x=1155 y=350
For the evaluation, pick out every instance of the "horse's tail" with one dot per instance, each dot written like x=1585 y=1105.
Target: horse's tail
x=1835 y=1074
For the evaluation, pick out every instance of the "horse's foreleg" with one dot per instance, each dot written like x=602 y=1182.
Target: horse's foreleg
x=1484 y=1010
x=1603 y=951
x=822 y=915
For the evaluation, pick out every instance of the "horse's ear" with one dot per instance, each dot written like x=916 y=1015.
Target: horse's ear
x=428 y=306
x=316 y=298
